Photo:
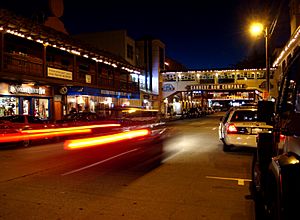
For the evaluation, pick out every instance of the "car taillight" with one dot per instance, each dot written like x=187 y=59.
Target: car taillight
x=282 y=137
x=231 y=128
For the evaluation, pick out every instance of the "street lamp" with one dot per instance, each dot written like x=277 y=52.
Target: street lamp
x=256 y=29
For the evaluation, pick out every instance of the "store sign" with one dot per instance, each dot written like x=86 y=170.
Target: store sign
x=218 y=87
x=20 y=89
x=168 y=87
x=88 y=78
x=107 y=92
x=115 y=94
x=61 y=74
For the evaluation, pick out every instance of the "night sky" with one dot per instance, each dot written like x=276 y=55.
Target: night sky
x=198 y=34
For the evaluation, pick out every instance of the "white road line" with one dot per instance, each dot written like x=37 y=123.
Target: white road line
x=99 y=162
x=239 y=180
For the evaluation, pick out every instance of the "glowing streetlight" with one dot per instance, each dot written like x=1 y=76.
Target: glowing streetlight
x=257 y=29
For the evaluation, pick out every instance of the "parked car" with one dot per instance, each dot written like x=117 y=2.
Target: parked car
x=240 y=126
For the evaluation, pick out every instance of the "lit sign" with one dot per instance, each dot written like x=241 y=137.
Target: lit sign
x=61 y=74
x=168 y=87
x=218 y=87
x=88 y=78
x=15 y=89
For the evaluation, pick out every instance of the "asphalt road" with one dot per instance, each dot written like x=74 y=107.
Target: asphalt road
x=195 y=179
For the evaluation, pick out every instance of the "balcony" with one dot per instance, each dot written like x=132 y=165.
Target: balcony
x=24 y=64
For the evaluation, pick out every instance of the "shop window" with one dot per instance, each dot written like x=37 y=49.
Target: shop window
x=9 y=106
x=41 y=108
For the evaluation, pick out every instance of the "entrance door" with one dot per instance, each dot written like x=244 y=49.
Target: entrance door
x=57 y=110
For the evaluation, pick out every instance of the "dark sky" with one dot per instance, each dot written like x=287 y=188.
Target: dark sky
x=199 y=34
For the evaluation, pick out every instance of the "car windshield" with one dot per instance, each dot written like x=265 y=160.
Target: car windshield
x=244 y=115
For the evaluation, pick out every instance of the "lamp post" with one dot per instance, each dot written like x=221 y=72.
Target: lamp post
x=256 y=29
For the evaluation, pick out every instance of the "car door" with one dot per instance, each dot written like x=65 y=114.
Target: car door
x=223 y=121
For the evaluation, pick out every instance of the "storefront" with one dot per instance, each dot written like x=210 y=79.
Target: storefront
x=81 y=99
x=225 y=95
x=25 y=99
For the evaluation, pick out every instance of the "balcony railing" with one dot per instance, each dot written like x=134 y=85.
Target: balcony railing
x=118 y=85
x=207 y=81
x=17 y=63
x=33 y=66
x=82 y=76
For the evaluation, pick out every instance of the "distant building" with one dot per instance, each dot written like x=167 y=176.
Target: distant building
x=116 y=42
x=146 y=53
x=208 y=88
x=173 y=65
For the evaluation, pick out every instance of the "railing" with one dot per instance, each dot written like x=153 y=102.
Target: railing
x=105 y=83
x=27 y=65
x=226 y=81
x=133 y=87
x=118 y=85
x=33 y=66
x=82 y=76
x=207 y=81
x=58 y=65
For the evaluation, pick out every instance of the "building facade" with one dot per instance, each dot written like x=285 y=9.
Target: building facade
x=151 y=55
x=211 y=88
x=147 y=54
x=47 y=73
x=288 y=60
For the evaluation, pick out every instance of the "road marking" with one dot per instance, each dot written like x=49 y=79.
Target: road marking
x=214 y=128
x=240 y=181
x=99 y=162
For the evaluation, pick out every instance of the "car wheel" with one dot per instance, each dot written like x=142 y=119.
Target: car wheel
x=226 y=147
x=26 y=143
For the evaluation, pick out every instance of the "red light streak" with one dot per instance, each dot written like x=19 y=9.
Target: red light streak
x=70 y=128
x=20 y=137
x=106 y=139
